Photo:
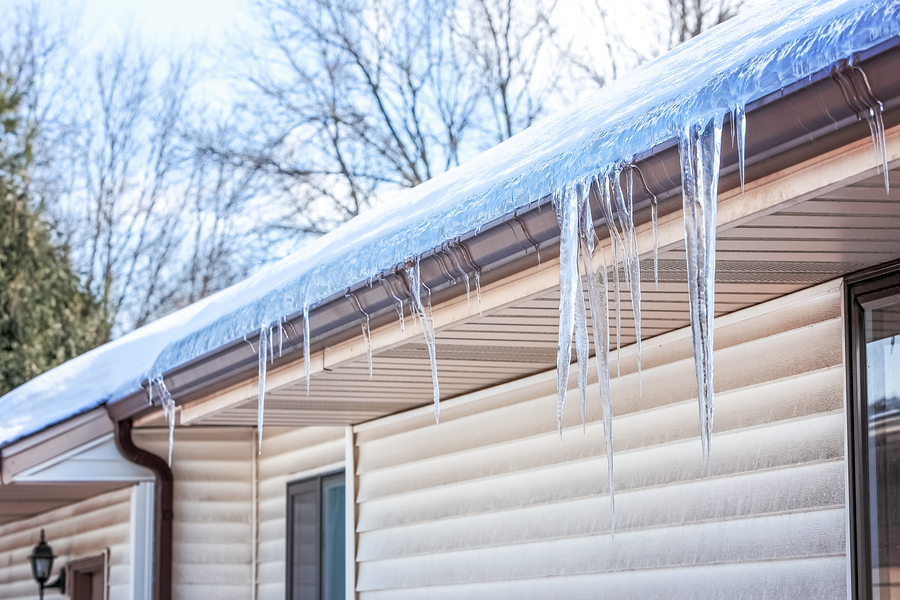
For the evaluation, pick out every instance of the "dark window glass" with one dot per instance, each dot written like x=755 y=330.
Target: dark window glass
x=873 y=315
x=882 y=360
x=315 y=544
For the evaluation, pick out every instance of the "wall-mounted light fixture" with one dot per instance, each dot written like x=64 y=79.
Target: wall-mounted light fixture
x=41 y=560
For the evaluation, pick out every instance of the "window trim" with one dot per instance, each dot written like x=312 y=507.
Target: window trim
x=97 y=563
x=319 y=478
x=860 y=290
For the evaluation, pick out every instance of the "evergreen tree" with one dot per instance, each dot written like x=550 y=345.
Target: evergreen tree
x=46 y=318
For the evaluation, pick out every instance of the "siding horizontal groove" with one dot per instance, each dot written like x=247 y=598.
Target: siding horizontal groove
x=493 y=494
x=770 y=537
x=602 y=492
x=425 y=537
x=601 y=458
x=594 y=426
x=574 y=536
x=518 y=454
x=819 y=577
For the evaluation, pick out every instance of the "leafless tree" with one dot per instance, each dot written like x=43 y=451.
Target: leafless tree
x=510 y=42
x=354 y=99
x=690 y=18
x=38 y=53
x=628 y=36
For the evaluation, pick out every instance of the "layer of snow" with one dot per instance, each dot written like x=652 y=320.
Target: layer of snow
x=743 y=59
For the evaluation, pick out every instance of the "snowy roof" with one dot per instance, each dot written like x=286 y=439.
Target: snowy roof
x=741 y=60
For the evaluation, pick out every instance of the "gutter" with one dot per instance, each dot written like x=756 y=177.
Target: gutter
x=812 y=116
x=162 y=507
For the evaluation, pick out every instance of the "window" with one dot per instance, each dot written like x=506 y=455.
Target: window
x=315 y=538
x=874 y=433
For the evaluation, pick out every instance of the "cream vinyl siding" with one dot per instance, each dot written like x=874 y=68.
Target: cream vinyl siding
x=78 y=530
x=287 y=454
x=212 y=527
x=490 y=504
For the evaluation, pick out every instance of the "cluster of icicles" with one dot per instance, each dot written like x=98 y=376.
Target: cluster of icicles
x=699 y=149
x=581 y=256
x=420 y=307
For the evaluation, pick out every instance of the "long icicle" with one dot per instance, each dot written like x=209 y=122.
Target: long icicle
x=624 y=208
x=582 y=341
x=599 y=303
x=654 y=217
x=699 y=149
x=168 y=406
x=603 y=186
x=739 y=123
x=306 y=364
x=414 y=275
x=567 y=216
x=265 y=334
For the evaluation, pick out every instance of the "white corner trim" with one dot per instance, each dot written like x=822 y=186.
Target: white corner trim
x=141 y=546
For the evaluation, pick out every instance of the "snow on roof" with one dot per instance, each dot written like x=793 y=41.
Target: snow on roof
x=741 y=60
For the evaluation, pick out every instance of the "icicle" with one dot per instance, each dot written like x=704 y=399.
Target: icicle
x=366 y=331
x=402 y=319
x=567 y=211
x=168 y=406
x=733 y=124
x=879 y=142
x=265 y=334
x=654 y=214
x=616 y=241
x=599 y=303
x=468 y=289
x=586 y=218
x=280 y=337
x=654 y=217
x=582 y=341
x=368 y=340
x=414 y=276
x=739 y=122
x=478 y=291
x=306 y=344
x=398 y=304
x=699 y=148
x=624 y=208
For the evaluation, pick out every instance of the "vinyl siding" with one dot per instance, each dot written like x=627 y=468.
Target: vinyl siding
x=490 y=504
x=212 y=527
x=75 y=531
x=287 y=455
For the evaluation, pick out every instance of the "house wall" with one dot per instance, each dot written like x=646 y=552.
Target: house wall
x=213 y=512
x=287 y=455
x=491 y=504
x=77 y=530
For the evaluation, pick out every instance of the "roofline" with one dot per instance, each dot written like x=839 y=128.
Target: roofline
x=807 y=118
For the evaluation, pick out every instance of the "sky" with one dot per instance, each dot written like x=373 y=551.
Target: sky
x=177 y=22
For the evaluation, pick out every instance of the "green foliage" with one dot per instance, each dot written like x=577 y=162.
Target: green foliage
x=46 y=318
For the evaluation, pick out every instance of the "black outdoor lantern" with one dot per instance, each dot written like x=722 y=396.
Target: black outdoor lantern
x=41 y=560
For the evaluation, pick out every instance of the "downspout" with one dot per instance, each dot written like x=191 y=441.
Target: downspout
x=162 y=534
